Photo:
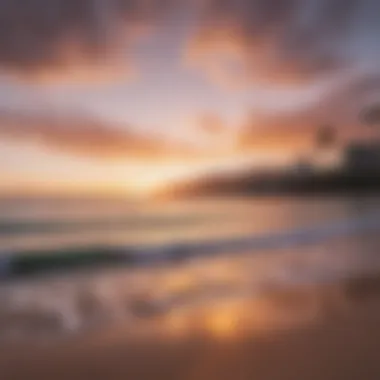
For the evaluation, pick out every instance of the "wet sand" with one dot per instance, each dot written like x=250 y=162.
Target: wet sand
x=340 y=341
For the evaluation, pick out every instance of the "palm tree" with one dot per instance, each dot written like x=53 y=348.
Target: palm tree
x=371 y=115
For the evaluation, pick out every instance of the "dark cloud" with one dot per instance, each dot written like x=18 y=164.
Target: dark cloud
x=86 y=137
x=48 y=38
x=287 y=40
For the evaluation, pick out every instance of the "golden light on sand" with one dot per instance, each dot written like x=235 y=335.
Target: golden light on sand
x=232 y=319
x=177 y=325
x=223 y=323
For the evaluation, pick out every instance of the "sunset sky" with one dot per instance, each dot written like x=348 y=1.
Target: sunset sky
x=125 y=95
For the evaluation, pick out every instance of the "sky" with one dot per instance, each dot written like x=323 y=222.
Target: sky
x=127 y=95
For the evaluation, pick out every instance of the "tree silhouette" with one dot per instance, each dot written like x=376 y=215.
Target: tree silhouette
x=371 y=115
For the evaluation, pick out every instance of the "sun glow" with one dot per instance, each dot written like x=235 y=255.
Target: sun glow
x=153 y=178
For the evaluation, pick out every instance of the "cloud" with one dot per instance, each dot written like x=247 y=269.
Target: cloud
x=340 y=109
x=83 y=39
x=281 y=132
x=81 y=135
x=284 y=42
x=211 y=124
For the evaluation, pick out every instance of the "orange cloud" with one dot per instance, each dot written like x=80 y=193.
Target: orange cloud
x=211 y=124
x=294 y=130
x=87 y=137
x=276 y=133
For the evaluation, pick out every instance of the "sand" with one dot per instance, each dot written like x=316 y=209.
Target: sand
x=340 y=341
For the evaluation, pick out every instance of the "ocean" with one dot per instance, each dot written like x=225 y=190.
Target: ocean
x=71 y=266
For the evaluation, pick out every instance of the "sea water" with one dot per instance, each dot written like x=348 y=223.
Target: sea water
x=186 y=254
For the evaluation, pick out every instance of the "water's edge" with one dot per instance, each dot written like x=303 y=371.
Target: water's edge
x=14 y=264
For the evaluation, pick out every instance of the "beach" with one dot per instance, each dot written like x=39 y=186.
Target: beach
x=288 y=289
x=335 y=334
x=189 y=190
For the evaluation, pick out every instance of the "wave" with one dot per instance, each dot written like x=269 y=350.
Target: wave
x=16 y=227
x=14 y=264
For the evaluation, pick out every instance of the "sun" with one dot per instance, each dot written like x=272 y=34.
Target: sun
x=148 y=182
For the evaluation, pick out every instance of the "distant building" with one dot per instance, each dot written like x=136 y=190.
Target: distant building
x=363 y=157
